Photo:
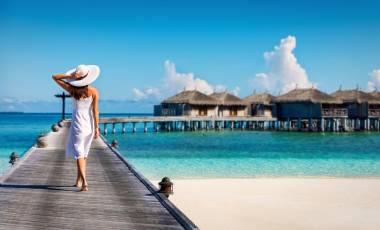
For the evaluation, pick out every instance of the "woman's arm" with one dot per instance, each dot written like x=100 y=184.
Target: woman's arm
x=58 y=78
x=95 y=110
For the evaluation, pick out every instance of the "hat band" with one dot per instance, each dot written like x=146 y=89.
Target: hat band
x=80 y=78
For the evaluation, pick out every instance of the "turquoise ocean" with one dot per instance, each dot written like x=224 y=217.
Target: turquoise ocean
x=218 y=154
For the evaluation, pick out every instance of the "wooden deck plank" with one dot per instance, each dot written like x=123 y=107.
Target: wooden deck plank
x=38 y=194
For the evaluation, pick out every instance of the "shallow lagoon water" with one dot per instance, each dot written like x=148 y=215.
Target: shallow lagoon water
x=212 y=154
x=242 y=154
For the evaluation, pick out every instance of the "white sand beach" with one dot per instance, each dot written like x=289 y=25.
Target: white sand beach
x=280 y=203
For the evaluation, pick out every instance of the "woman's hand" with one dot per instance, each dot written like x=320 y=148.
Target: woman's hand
x=59 y=79
x=73 y=76
x=97 y=133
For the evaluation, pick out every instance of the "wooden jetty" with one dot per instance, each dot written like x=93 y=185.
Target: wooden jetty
x=182 y=123
x=37 y=193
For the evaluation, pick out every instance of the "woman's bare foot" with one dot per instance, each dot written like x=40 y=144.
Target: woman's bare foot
x=84 y=188
x=78 y=183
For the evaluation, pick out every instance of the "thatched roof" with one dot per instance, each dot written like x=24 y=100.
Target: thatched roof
x=225 y=98
x=307 y=95
x=375 y=94
x=355 y=95
x=260 y=98
x=192 y=97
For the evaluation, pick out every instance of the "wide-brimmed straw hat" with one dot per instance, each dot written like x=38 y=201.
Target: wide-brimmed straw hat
x=88 y=74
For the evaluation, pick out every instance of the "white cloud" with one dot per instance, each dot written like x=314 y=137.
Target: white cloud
x=236 y=91
x=220 y=88
x=7 y=100
x=146 y=94
x=284 y=71
x=175 y=82
x=374 y=83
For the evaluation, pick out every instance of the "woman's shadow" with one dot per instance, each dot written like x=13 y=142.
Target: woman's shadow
x=44 y=187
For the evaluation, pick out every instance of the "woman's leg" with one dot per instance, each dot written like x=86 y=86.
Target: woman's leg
x=79 y=180
x=85 y=168
x=82 y=170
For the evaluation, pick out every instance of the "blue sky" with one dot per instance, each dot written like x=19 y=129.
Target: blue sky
x=149 y=49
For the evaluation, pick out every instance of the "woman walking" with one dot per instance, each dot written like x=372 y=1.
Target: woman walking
x=85 y=117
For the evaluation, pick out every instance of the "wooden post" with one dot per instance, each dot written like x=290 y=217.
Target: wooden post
x=145 y=127
x=63 y=96
x=344 y=124
x=288 y=124
x=368 y=124
x=105 y=129
x=133 y=127
x=156 y=126
x=299 y=124
x=322 y=124
x=310 y=124
x=123 y=128
x=113 y=128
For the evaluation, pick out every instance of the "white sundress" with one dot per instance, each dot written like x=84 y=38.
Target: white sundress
x=82 y=130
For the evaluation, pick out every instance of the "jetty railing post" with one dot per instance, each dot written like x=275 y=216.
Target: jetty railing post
x=344 y=124
x=310 y=124
x=105 y=129
x=123 y=127
x=145 y=127
x=368 y=124
x=156 y=126
x=299 y=124
x=288 y=124
x=133 y=127
x=63 y=96
x=113 y=128
x=322 y=124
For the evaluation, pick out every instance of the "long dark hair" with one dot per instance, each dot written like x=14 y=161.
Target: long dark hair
x=79 y=92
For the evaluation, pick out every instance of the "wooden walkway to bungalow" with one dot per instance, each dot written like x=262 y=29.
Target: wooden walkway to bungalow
x=188 y=122
x=37 y=193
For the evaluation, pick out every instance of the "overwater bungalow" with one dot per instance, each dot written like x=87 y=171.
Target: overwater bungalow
x=187 y=103
x=229 y=105
x=310 y=109
x=261 y=104
x=375 y=94
x=363 y=108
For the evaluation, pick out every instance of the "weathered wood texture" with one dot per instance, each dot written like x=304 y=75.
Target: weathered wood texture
x=38 y=194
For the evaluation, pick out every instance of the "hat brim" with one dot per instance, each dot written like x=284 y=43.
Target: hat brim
x=93 y=73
